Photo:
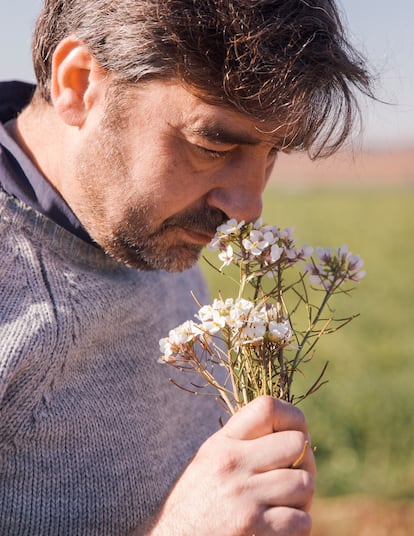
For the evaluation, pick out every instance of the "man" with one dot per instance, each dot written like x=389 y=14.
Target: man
x=151 y=124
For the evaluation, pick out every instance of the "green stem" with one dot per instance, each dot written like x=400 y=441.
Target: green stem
x=257 y=287
x=301 y=345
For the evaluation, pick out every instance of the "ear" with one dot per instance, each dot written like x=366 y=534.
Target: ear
x=76 y=81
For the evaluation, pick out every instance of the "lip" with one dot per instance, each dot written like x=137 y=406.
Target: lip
x=196 y=237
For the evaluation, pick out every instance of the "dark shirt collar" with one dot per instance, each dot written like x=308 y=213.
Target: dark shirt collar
x=20 y=177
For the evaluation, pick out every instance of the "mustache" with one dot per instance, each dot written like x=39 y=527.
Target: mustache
x=205 y=220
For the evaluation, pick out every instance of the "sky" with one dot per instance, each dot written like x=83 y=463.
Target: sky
x=382 y=29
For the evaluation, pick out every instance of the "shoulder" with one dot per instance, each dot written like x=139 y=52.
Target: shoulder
x=28 y=324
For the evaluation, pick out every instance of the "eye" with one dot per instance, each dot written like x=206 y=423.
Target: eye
x=210 y=153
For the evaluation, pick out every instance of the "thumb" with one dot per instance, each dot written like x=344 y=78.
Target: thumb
x=263 y=416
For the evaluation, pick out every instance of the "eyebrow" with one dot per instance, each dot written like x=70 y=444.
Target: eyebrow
x=222 y=134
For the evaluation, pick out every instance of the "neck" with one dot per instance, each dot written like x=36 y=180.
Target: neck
x=40 y=133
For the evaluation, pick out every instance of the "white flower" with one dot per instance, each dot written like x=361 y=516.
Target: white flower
x=270 y=312
x=214 y=317
x=243 y=305
x=280 y=331
x=253 y=332
x=211 y=319
x=215 y=243
x=246 y=337
x=287 y=233
x=258 y=224
x=335 y=266
x=231 y=226
x=224 y=235
x=226 y=256
x=275 y=253
x=355 y=264
x=292 y=254
x=358 y=275
x=178 y=343
x=318 y=280
x=324 y=254
x=266 y=229
x=239 y=313
x=256 y=243
x=269 y=237
x=343 y=251
x=295 y=254
x=167 y=353
x=306 y=251
x=186 y=332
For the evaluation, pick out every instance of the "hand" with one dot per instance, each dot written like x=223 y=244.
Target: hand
x=242 y=481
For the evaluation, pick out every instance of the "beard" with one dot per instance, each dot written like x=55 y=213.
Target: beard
x=126 y=231
x=133 y=243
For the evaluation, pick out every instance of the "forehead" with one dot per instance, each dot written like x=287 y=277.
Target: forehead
x=226 y=124
x=177 y=104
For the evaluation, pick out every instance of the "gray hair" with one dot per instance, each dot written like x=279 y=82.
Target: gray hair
x=283 y=59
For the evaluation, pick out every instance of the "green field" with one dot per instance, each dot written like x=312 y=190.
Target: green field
x=362 y=420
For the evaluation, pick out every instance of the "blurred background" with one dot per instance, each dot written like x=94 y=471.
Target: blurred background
x=362 y=420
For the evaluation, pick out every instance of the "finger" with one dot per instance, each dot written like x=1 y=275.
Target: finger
x=262 y=416
x=279 y=450
x=283 y=487
x=283 y=521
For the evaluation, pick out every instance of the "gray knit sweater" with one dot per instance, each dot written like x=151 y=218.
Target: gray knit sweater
x=92 y=434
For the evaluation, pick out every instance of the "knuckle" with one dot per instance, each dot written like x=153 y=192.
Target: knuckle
x=300 y=439
x=247 y=520
x=222 y=456
x=265 y=405
x=298 y=443
x=293 y=415
x=301 y=420
x=229 y=462
x=305 y=524
x=302 y=452
x=288 y=521
x=300 y=523
x=307 y=483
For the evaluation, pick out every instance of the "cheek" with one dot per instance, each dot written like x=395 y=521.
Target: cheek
x=167 y=183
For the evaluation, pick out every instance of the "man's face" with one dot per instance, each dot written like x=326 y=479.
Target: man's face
x=156 y=176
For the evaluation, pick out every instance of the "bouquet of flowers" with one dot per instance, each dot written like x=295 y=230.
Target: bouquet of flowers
x=262 y=337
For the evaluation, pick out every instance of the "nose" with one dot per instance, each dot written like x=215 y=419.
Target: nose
x=238 y=192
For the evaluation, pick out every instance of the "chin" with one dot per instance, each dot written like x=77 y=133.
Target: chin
x=171 y=259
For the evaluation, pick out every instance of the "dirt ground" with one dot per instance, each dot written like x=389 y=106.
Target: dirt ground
x=361 y=516
x=364 y=169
